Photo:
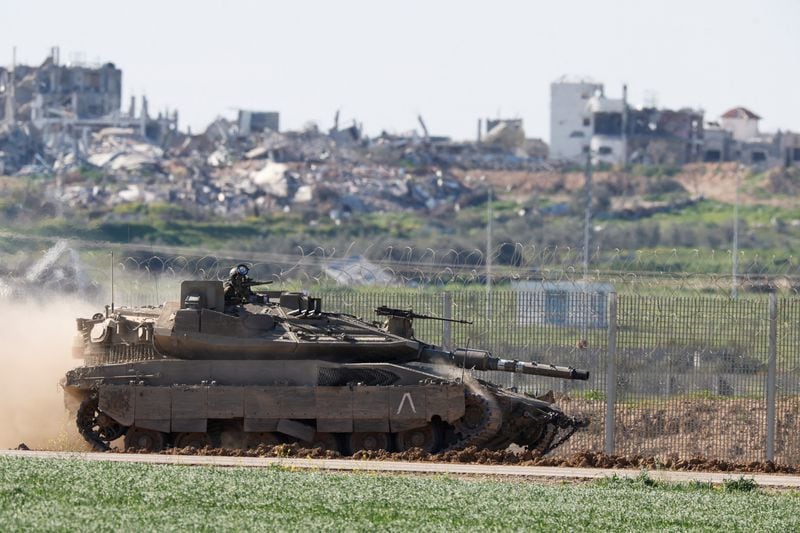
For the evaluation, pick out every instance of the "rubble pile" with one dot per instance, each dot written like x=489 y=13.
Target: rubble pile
x=224 y=173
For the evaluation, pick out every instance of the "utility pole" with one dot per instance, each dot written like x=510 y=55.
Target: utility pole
x=587 y=219
x=587 y=215
x=625 y=126
x=735 y=258
x=489 y=254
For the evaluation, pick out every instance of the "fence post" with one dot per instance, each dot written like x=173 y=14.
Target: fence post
x=447 y=312
x=611 y=373
x=771 y=371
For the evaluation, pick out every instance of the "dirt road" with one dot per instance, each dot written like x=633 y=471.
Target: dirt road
x=352 y=465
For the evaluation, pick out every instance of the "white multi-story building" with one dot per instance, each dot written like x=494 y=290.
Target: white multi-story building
x=571 y=118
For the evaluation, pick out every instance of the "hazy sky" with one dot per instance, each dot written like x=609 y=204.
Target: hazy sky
x=383 y=63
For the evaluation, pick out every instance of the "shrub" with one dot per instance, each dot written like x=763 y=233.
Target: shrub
x=742 y=484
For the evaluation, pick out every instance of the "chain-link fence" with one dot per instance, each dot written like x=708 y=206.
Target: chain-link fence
x=679 y=367
x=700 y=376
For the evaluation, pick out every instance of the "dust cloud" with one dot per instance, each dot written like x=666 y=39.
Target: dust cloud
x=35 y=352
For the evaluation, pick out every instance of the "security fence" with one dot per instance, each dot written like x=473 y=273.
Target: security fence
x=684 y=377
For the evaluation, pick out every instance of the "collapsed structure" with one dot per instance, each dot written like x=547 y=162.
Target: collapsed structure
x=50 y=111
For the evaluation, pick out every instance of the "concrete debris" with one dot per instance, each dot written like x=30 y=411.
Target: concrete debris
x=507 y=134
x=92 y=155
x=259 y=152
x=225 y=173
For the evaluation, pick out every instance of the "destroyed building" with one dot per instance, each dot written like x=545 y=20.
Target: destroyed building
x=257 y=121
x=623 y=134
x=664 y=136
x=52 y=89
x=51 y=109
x=507 y=136
x=585 y=121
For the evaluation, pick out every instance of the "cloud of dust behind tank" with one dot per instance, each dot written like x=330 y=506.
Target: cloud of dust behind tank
x=35 y=352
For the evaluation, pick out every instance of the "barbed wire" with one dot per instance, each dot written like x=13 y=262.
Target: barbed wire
x=80 y=265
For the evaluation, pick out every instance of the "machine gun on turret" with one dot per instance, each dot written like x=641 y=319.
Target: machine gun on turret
x=399 y=321
x=249 y=283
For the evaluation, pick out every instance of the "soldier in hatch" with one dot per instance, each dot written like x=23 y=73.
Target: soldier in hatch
x=237 y=286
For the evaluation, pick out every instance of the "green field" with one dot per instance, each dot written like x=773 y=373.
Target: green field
x=40 y=494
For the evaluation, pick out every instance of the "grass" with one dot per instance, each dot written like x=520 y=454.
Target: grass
x=75 y=495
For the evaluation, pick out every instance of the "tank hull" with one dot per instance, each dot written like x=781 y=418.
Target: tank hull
x=266 y=396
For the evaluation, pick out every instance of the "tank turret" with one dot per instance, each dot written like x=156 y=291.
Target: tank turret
x=240 y=367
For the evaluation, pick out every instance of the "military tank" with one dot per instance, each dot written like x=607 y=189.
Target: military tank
x=236 y=366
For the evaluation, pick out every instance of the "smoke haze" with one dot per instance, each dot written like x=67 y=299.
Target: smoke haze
x=35 y=352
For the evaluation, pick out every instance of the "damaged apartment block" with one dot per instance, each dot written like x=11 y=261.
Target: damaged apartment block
x=584 y=120
x=52 y=108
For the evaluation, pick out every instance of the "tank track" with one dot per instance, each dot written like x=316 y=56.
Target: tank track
x=536 y=427
x=556 y=431
x=487 y=426
x=511 y=418
x=95 y=427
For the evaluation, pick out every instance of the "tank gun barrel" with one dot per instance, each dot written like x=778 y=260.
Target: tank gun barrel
x=408 y=313
x=482 y=360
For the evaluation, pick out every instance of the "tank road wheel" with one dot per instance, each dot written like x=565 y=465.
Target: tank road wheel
x=194 y=440
x=475 y=415
x=369 y=441
x=254 y=440
x=97 y=428
x=423 y=438
x=481 y=421
x=324 y=441
x=144 y=439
